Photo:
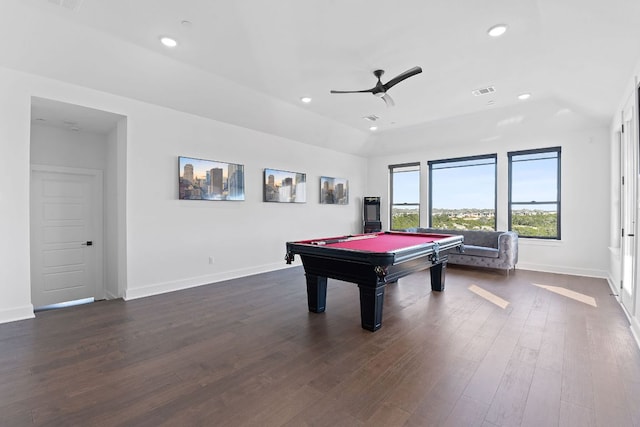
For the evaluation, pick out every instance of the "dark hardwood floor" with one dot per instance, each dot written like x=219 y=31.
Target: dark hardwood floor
x=247 y=353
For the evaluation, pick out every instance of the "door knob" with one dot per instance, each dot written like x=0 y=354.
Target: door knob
x=88 y=243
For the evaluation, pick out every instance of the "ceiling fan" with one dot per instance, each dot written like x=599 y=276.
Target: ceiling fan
x=380 y=89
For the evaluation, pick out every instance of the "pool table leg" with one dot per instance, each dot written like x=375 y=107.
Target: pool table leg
x=316 y=293
x=371 y=300
x=437 y=275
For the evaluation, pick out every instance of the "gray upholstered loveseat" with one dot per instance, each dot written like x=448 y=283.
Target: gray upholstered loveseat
x=492 y=249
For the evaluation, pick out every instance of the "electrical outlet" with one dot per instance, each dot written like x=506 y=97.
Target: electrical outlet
x=211 y=260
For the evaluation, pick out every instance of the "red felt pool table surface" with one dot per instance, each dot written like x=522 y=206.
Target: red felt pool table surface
x=377 y=242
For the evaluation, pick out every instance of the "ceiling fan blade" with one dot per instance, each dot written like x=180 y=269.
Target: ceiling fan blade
x=388 y=100
x=351 y=91
x=400 y=77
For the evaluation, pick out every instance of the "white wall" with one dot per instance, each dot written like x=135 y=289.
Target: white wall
x=585 y=178
x=61 y=147
x=112 y=235
x=172 y=239
x=15 y=293
x=168 y=241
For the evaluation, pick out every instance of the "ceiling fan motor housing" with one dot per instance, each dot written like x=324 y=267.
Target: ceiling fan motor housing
x=379 y=89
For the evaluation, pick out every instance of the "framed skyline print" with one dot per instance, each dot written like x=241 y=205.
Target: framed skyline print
x=334 y=191
x=201 y=179
x=284 y=186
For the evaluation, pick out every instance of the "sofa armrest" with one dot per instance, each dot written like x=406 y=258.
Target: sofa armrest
x=508 y=247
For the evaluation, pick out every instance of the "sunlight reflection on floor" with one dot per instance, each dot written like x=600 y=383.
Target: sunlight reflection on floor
x=586 y=299
x=489 y=296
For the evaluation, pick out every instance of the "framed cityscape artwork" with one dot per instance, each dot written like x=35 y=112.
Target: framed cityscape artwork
x=201 y=179
x=334 y=191
x=284 y=186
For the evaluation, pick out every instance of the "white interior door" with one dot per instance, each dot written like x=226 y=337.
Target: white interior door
x=66 y=235
x=628 y=209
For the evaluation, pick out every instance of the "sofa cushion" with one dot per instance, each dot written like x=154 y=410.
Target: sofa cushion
x=480 y=251
x=486 y=239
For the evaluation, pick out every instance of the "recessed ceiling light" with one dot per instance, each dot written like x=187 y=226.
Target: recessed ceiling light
x=373 y=128
x=306 y=99
x=524 y=96
x=168 y=41
x=497 y=30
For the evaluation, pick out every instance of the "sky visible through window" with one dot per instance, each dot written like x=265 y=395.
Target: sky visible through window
x=464 y=187
x=406 y=187
x=533 y=179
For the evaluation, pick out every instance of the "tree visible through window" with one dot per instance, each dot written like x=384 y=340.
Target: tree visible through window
x=405 y=195
x=462 y=193
x=534 y=193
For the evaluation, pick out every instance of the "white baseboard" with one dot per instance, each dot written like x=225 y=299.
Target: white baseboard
x=559 y=269
x=634 y=324
x=176 y=285
x=17 y=313
x=615 y=291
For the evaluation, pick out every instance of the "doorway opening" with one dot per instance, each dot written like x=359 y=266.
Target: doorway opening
x=77 y=205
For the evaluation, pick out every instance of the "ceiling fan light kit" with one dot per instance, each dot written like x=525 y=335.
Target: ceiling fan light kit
x=380 y=89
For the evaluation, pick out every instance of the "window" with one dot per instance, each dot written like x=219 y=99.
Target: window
x=534 y=193
x=405 y=195
x=462 y=193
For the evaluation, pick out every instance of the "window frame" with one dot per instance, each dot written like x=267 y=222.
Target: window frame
x=558 y=202
x=415 y=165
x=493 y=156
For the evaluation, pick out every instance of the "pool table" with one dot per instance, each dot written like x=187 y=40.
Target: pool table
x=371 y=261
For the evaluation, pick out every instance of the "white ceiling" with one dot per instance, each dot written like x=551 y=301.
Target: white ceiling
x=71 y=117
x=575 y=53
